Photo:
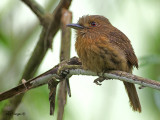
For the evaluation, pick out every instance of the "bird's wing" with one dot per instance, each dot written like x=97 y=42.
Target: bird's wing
x=119 y=39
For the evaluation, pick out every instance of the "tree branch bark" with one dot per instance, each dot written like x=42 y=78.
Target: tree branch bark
x=73 y=70
x=64 y=54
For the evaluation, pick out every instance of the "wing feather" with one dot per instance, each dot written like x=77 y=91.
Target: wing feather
x=119 y=39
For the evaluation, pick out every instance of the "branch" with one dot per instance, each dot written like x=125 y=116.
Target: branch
x=56 y=18
x=64 y=54
x=44 y=18
x=38 y=53
x=72 y=70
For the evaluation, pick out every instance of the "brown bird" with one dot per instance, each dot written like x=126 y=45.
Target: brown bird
x=100 y=47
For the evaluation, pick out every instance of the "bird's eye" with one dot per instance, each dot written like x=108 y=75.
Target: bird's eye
x=93 y=24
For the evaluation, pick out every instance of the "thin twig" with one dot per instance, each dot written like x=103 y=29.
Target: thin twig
x=35 y=7
x=43 y=17
x=45 y=77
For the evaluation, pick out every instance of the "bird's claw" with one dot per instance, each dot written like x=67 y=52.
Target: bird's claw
x=99 y=80
x=141 y=87
x=64 y=70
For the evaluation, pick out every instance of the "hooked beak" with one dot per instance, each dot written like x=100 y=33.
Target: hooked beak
x=75 y=26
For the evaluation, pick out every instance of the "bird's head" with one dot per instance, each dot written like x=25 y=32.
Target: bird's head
x=91 y=24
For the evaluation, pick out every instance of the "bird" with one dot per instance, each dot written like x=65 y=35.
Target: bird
x=102 y=47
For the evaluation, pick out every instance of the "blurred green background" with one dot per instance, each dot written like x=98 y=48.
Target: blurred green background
x=20 y=30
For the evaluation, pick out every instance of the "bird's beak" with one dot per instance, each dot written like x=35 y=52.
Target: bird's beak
x=75 y=26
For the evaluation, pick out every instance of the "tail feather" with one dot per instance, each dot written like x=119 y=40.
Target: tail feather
x=133 y=96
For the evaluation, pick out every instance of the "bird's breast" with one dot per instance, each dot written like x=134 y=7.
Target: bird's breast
x=99 y=55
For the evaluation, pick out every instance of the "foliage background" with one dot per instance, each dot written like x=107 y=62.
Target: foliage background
x=20 y=30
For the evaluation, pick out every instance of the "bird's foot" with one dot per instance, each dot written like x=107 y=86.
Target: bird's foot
x=99 y=80
x=63 y=72
x=64 y=69
x=141 y=87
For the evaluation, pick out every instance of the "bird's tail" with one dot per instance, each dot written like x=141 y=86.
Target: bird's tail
x=133 y=96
